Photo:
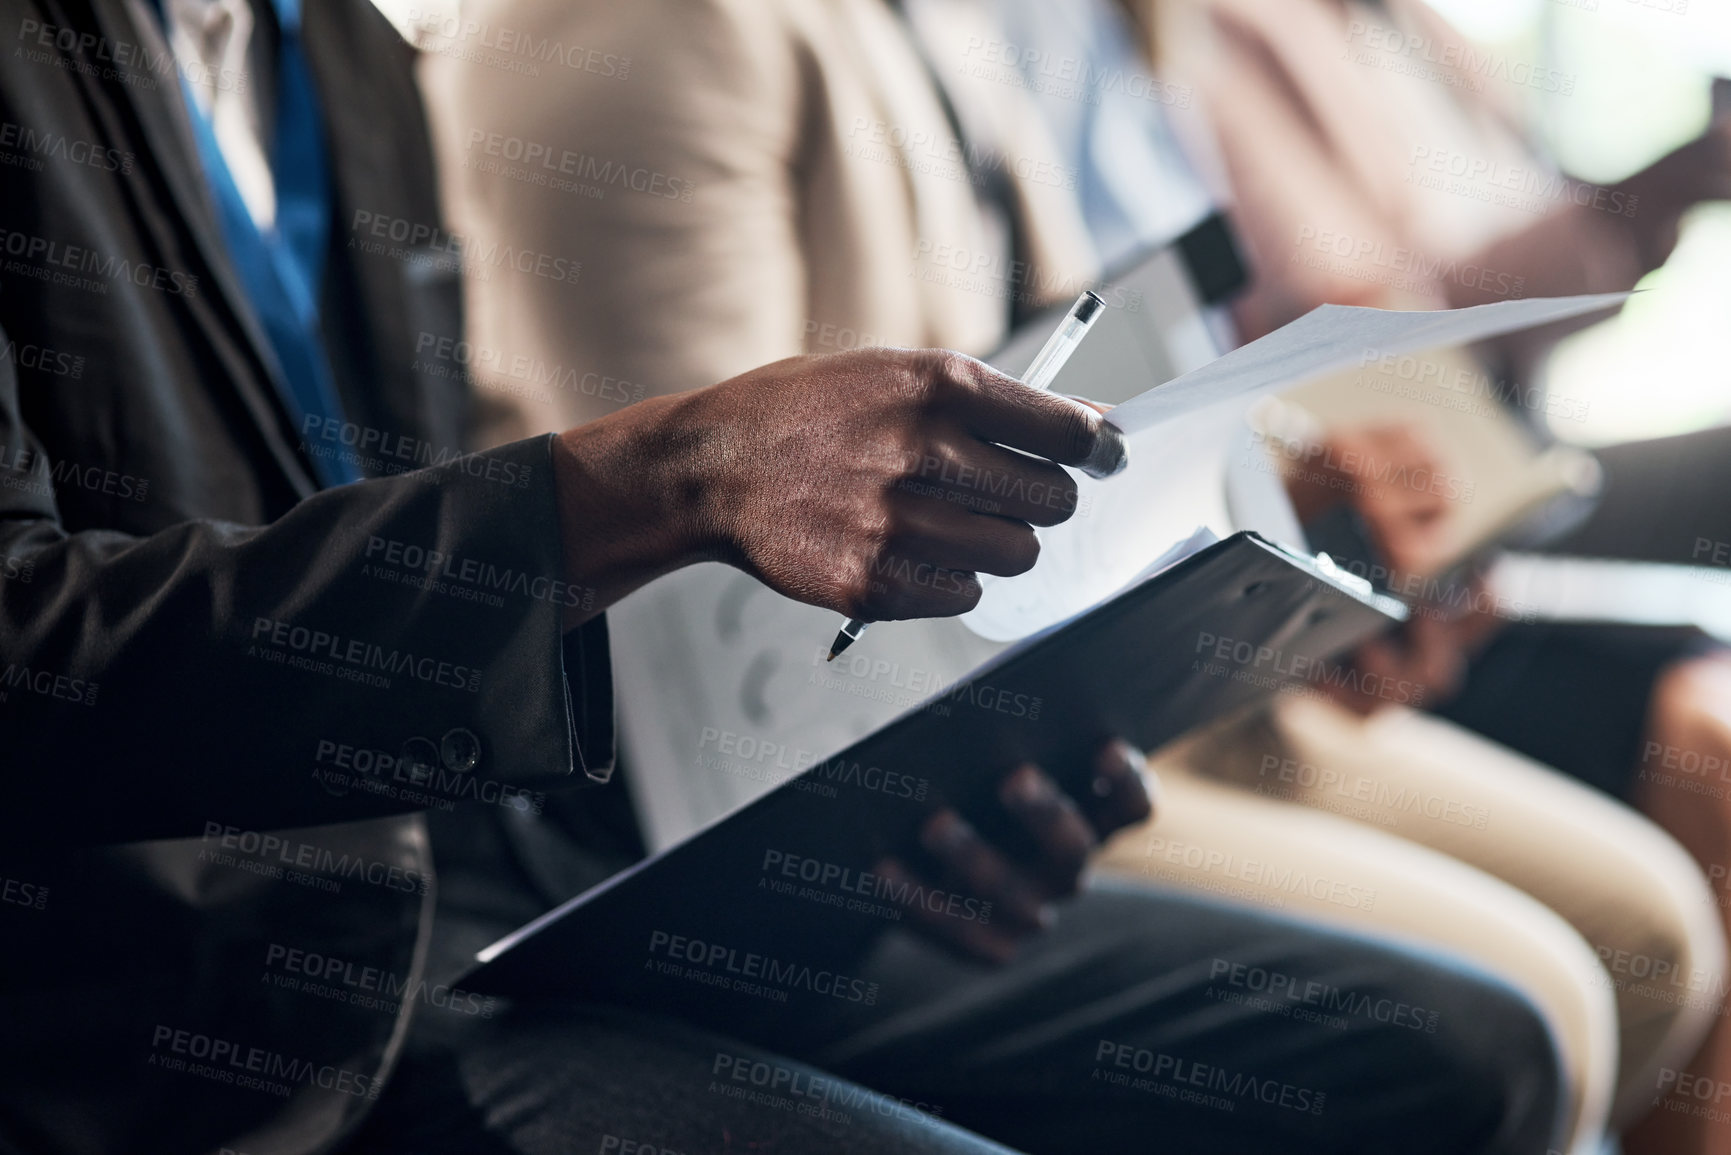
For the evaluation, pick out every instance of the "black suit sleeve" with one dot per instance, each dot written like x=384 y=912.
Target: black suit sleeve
x=385 y=646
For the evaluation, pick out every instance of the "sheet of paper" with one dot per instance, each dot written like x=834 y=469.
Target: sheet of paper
x=1176 y=481
x=723 y=690
x=1187 y=435
x=722 y=686
x=1331 y=338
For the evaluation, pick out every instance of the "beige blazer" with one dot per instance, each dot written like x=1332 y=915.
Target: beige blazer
x=740 y=180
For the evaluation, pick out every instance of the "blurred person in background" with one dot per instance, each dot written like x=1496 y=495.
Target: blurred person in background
x=223 y=253
x=1330 y=115
x=1148 y=168
x=814 y=177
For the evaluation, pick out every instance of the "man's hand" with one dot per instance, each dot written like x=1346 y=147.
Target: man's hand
x=1002 y=899
x=875 y=483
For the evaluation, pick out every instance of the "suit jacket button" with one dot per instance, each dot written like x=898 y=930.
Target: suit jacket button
x=419 y=759
x=459 y=749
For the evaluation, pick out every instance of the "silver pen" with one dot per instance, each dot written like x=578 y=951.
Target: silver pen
x=1040 y=375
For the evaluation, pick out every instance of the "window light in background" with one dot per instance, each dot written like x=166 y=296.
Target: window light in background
x=1642 y=71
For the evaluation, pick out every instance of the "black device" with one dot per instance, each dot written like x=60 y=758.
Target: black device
x=1222 y=630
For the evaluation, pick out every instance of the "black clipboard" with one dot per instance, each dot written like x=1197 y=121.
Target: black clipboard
x=1223 y=630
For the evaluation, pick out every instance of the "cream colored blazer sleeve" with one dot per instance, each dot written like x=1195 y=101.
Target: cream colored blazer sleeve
x=655 y=145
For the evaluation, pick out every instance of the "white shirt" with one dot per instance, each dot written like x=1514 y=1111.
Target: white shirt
x=226 y=69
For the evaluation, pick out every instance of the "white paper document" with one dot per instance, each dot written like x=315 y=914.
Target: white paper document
x=722 y=685
x=1331 y=338
x=1185 y=440
x=1176 y=481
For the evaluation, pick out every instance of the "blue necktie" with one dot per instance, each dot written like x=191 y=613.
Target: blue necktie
x=282 y=268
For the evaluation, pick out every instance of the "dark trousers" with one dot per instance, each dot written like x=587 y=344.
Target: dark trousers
x=1665 y=499
x=1146 y=1021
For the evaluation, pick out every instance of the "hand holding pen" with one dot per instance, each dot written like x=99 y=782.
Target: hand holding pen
x=1041 y=373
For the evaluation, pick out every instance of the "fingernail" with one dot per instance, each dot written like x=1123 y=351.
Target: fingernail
x=1126 y=756
x=1028 y=788
x=1025 y=908
x=946 y=831
x=1110 y=454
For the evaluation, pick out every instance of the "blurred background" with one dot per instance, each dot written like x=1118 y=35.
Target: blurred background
x=1642 y=71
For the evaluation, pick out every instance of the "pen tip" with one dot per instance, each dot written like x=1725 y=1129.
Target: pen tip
x=832 y=655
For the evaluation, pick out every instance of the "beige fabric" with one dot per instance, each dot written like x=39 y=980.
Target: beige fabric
x=1319 y=121
x=1630 y=890
x=818 y=204
x=811 y=197
x=1216 y=839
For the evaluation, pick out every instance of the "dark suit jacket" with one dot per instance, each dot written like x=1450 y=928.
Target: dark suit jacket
x=198 y=652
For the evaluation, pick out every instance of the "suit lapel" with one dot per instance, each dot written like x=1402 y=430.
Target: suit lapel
x=171 y=149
